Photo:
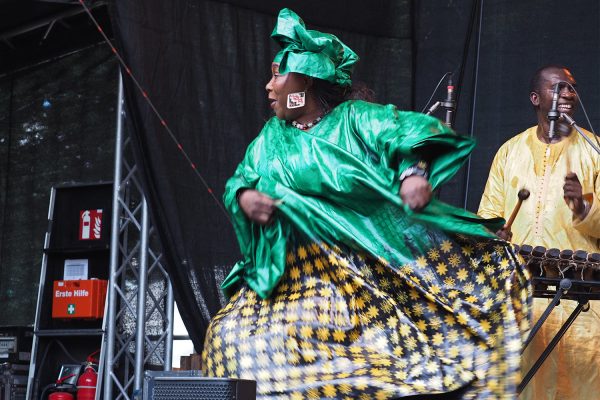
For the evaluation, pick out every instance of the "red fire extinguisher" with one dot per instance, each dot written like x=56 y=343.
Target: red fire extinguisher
x=61 y=395
x=86 y=384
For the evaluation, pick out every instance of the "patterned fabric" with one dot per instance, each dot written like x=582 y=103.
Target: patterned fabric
x=343 y=325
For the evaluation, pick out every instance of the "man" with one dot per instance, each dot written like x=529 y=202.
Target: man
x=563 y=211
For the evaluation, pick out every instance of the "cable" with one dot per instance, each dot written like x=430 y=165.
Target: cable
x=467 y=44
x=163 y=122
x=435 y=90
x=46 y=388
x=474 y=102
x=36 y=381
x=584 y=111
x=62 y=346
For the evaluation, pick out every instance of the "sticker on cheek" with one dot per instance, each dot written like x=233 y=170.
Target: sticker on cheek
x=296 y=100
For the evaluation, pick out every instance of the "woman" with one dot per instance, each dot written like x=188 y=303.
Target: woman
x=347 y=289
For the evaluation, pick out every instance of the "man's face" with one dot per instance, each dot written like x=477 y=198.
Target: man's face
x=567 y=99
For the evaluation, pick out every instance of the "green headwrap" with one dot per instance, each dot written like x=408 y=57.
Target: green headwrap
x=313 y=53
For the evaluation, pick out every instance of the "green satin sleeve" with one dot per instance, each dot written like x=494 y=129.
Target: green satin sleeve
x=405 y=138
x=253 y=241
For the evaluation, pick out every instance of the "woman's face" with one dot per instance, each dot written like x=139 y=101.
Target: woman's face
x=278 y=89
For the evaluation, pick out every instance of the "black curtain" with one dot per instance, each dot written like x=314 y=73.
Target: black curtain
x=204 y=65
x=514 y=39
x=57 y=125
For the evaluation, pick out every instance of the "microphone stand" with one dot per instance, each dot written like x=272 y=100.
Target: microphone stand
x=553 y=114
x=448 y=105
x=571 y=122
x=433 y=108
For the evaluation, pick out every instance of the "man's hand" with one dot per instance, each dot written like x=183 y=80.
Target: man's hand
x=416 y=192
x=257 y=206
x=505 y=234
x=573 y=194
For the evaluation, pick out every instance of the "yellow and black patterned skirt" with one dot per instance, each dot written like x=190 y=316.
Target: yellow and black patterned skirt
x=343 y=325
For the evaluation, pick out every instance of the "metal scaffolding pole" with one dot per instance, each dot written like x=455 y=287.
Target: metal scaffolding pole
x=140 y=297
x=170 y=313
x=114 y=243
x=141 y=302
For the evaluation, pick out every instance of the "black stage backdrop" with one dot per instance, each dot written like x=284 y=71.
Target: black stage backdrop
x=204 y=65
x=515 y=38
x=57 y=126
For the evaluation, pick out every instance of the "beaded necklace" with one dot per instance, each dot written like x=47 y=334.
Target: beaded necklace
x=308 y=125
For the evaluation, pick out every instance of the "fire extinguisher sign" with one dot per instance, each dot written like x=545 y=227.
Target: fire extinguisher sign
x=90 y=224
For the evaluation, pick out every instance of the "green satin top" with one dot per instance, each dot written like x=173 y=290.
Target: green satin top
x=339 y=182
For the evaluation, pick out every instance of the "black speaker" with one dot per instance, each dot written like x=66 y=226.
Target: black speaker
x=189 y=385
x=12 y=387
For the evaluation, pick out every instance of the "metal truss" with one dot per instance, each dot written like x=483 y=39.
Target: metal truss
x=48 y=21
x=140 y=297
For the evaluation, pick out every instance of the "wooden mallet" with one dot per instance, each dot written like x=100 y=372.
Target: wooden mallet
x=523 y=195
x=569 y=201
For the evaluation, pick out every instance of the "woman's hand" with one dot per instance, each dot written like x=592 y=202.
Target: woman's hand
x=257 y=206
x=416 y=192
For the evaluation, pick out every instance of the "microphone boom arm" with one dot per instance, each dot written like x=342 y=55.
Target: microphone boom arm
x=433 y=108
x=571 y=122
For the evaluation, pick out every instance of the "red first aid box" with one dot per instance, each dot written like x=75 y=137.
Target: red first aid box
x=79 y=299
